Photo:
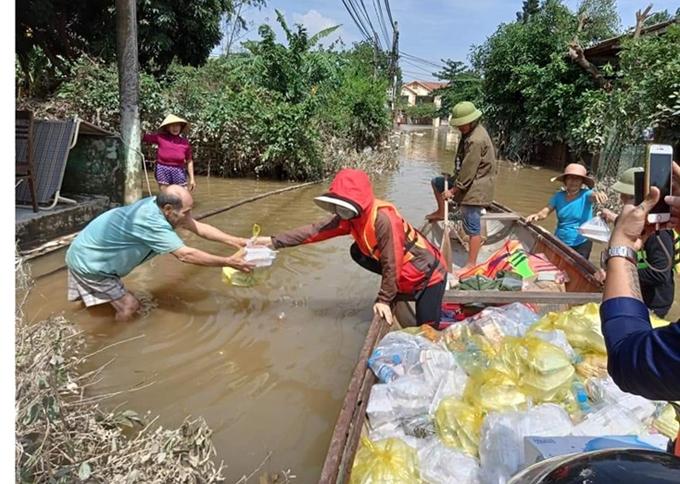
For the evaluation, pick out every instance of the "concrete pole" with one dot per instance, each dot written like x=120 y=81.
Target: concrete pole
x=394 y=66
x=128 y=91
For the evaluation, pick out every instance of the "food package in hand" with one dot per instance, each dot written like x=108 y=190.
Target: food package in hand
x=595 y=229
x=260 y=256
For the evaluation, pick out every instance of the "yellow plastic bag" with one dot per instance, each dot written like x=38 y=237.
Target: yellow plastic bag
x=593 y=365
x=667 y=423
x=493 y=390
x=458 y=424
x=657 y=322
x=389 y=460
x=472 y=351
x=581 y=324
x=238 y=278
x=542 y=370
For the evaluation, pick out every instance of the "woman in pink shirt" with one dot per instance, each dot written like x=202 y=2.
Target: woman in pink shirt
x=174 y=151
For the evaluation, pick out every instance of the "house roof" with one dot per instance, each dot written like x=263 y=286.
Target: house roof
x=406 y=86
x=610 y=48
x=429 y=85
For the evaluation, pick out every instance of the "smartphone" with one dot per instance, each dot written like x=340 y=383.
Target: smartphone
x=658 y=173
x=639 y=180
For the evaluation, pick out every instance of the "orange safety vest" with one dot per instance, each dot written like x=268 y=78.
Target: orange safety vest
x=368 y=241
x=676 y=447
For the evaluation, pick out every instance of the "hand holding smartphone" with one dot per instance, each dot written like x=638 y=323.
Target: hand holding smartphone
x=658 y=173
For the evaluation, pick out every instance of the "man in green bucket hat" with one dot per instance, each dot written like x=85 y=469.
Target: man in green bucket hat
x=475 y=176
x=657 y=286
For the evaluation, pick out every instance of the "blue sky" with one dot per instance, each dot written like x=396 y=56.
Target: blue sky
x=429 y=29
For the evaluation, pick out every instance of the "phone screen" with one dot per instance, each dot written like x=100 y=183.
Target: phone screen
x=660 y=167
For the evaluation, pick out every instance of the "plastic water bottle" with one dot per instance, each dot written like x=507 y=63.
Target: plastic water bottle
x=385 y=369
x=581 y=396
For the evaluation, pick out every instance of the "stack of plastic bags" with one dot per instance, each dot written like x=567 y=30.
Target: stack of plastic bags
x=472 y=392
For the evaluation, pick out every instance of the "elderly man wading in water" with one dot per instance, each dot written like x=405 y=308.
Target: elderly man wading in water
x=119 y=240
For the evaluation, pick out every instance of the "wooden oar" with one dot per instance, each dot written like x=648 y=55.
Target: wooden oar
x=446 y=237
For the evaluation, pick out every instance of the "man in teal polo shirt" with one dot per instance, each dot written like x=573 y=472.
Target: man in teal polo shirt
x=120 y=239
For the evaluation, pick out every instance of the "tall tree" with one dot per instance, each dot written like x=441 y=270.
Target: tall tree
x=529 y=8
x=462 y=84
x=601 y=19
x=62 y=30
x=234 y=24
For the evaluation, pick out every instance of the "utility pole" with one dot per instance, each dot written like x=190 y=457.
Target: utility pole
x=128 y=91
x=376 y=55
x=394 y=62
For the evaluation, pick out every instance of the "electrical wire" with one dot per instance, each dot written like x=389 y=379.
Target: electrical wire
x=389 y=13
x=381 y=20
x=421 y=60
x=359 y=25
x=370 y=24
x=416 y=66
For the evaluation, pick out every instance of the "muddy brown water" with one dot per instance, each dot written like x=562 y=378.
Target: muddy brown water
x=266 y=366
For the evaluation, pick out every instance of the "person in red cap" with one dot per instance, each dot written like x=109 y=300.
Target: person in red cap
x=384 y=243
x=573 y=207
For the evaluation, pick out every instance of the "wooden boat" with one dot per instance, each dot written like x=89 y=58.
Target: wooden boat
x=500 y=224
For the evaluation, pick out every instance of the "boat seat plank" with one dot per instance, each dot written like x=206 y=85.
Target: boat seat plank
x=501 y=216
x=507 y=297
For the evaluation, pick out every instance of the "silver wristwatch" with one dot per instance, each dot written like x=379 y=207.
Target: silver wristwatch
x=619 y=251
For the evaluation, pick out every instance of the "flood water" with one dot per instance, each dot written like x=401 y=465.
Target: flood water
x=267 y=367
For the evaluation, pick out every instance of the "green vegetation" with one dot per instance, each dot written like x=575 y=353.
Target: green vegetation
x=646 y=94
x=531 y=91
x=533 y=94
x=270 y=111
x=421 y=113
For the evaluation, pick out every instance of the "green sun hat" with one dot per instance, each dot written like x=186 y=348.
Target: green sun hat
x=464 y=113
x=626 y=182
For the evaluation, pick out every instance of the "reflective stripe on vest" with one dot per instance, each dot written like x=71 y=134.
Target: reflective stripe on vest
x=370 y=241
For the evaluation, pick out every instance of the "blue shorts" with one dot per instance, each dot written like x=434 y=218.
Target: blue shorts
x=472 y=219
x=438 y=183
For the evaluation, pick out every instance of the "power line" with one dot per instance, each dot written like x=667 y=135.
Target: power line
x=356 y=21
x=381 y=20
x=419 y=68
x=370 y=24
x=417 y=75
x=389 y=12
x=421 y=60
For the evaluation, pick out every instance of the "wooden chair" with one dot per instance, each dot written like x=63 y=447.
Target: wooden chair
x=25 y=168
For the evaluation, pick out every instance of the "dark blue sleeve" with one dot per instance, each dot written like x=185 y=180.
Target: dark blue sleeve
x=642 y=360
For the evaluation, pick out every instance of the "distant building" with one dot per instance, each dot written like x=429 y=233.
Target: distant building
x=420 y=92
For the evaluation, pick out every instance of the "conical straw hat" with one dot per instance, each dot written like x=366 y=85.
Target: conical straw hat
x=172 y=119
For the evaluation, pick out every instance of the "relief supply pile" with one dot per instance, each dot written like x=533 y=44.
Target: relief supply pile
x=495 y=393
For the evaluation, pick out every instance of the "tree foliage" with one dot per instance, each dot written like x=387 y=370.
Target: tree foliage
x=532 y=94
x=602 y=19
x=646 y=93
x=267 y=111
x=53 y=33
x=529 y=8
x=463 y=84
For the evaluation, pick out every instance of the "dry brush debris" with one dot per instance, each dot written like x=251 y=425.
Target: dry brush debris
x=62 y=434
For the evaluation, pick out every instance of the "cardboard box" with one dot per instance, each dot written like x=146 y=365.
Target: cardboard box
x=537 y=449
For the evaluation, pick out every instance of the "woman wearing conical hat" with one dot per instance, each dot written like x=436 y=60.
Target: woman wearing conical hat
x=573 y=206
x=174 y=158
